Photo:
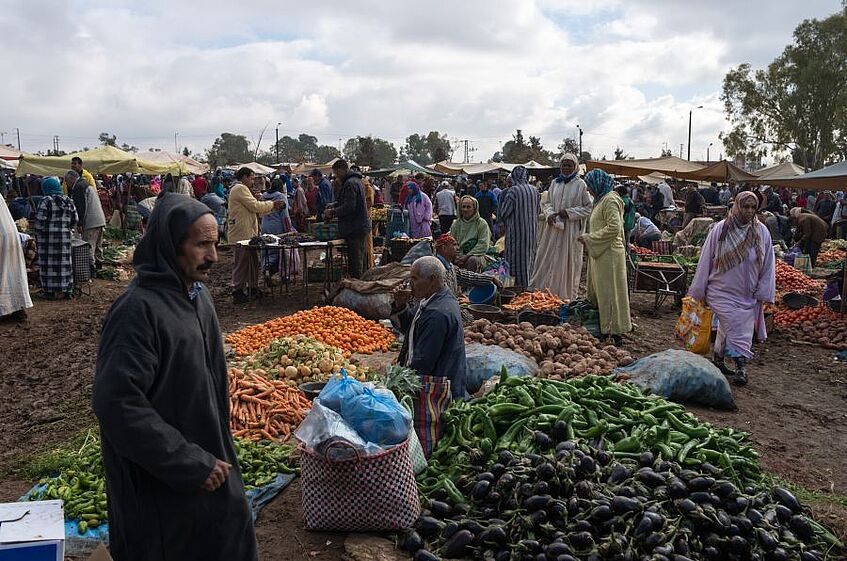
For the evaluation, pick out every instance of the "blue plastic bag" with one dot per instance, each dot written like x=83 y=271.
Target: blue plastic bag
x=378 y=417
x=338 y=389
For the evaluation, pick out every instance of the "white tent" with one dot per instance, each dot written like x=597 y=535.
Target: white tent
x=255 y=166
x=164 y=157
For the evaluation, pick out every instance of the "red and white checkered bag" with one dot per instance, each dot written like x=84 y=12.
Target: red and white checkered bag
x=365 y=493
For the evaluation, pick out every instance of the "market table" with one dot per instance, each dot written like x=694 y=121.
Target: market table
x=329 y=247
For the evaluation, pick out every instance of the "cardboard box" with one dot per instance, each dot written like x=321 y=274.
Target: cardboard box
x=32 y=531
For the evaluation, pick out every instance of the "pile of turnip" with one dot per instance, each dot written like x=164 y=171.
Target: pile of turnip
x=561 y=351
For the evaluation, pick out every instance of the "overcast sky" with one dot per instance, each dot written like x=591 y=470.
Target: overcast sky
x=627 y=71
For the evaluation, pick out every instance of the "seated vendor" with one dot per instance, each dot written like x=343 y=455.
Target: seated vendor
x=434 y=340
x=645 y=232
x=447 y=250
x=473 y=235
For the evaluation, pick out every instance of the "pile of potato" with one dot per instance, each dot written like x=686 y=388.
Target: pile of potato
x=561 y=351
x=300 y=359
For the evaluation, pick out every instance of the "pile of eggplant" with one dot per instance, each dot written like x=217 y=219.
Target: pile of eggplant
x=577 y=501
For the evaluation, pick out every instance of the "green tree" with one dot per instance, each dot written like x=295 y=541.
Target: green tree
x=229 y=149
x=798 y=103
x=426 y=149
x=570 y=145
x=107 y=139
x=367 y=151
x=619 y=154
x=186 y=152
x=666 y=152
x=127 y=148
x=326 y=153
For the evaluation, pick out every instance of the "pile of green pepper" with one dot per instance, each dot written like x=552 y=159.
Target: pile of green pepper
x=593 y=408
x=260 y=462
x=81 y=483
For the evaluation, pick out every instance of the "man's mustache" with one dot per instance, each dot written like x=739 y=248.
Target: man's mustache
x=205 y=266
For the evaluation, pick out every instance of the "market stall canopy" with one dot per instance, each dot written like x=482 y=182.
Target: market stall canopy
x=670 y=165
x=305 y=168
x=255 y=166
x=8 y=164
x=105 y=159
x=723 y=171
x=406 y=167
x=784 y=170
x=9 y=153
x=833 y=178
x=162 y=157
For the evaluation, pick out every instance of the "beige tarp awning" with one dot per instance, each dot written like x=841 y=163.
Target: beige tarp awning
x=8 y=164
x=8 y=153
x=306 y=168
x=783 y=170
x=105 y=159
x=670 y=165
x=831 y=178
x=723 y=171
x=162 y=157
x=452 y=168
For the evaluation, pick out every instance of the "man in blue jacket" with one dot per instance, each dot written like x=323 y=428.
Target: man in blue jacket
x=434 y=343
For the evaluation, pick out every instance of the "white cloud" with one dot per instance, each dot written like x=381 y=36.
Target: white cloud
x=627 y=72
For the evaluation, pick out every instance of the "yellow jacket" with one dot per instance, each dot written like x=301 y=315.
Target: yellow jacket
x=243 y=212
x=86 y=176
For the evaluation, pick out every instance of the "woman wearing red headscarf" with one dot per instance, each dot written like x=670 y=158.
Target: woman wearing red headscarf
x=736 y=278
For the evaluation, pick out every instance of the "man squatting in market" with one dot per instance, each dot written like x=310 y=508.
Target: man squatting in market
x=160 y=396
x=434 y=342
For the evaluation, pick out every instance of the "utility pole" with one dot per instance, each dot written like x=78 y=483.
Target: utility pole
x=690 y=111
x=277 y=142
x=18 y=131
x=680 y=150
x=579 y=156
x=176 y=148
x=3 y=138
x=707 y=151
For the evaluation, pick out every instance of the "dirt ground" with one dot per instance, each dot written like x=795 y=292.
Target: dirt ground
x=795 y=405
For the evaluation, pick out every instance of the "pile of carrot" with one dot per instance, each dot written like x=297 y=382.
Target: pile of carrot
x=638 y=250
x=789 y=278
x=536 y=301
x=339 y=327
x=262 y=409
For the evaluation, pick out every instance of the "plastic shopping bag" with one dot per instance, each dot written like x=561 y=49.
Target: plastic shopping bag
x=338 y=389
x=694 y=327
x=377 y=416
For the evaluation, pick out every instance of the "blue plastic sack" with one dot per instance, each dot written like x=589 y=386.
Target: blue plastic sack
x=338 y=389
x=681 y=376
x=485 y=361
x=378 y=417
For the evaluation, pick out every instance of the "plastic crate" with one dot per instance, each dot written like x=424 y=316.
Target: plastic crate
x=324 y=231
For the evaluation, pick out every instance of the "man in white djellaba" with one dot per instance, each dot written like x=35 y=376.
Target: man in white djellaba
x=558 y=264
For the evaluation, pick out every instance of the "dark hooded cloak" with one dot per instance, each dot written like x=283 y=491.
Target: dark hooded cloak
x=160 y=395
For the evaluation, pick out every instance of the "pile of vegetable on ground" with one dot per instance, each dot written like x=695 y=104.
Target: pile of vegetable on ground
x=538 y=301
x=77 y=477
x=299 y=359
x=332 y=325
x=264 y=409
x=638 y=250
x=560 y=351
x=790 y=279
x=591 y=469
x=819 y=325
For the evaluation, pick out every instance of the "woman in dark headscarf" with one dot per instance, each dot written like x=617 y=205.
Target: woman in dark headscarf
x=736 y=278
x=55 y=218
x=604 y=240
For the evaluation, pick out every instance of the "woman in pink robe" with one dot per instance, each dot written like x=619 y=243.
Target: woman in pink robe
x=736 y=278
